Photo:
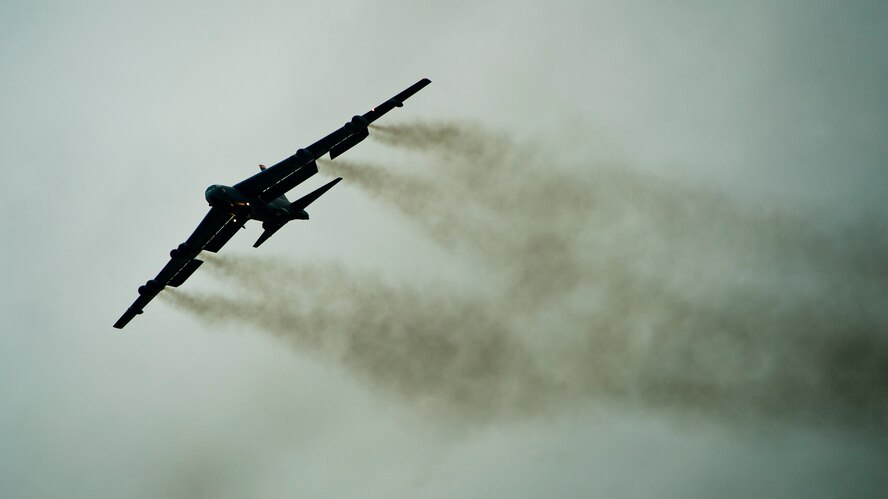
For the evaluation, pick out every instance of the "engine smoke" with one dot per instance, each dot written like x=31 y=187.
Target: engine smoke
x=616 y=287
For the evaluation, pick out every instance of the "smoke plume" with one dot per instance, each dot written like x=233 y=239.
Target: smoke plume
x=608 y=286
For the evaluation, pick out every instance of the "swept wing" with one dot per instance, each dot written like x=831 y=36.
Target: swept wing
x=280 y=178
x=216 y=228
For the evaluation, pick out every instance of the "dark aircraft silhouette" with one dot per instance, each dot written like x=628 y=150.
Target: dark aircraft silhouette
x=260 y=197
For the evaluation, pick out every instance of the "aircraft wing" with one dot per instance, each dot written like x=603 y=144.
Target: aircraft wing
x=216 y=229
x=276 y=180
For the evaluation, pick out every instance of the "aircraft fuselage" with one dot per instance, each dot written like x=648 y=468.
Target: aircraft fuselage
x=235 y=202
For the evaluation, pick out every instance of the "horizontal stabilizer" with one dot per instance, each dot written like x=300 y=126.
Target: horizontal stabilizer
x=268 y=232
x=304 y=201
x=353 y=140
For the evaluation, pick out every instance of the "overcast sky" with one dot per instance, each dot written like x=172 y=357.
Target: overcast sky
x=117 y=115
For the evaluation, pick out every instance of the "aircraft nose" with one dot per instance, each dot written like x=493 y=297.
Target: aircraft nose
x=213 y=194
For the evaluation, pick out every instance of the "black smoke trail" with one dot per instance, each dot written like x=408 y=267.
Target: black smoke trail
x=619 y=287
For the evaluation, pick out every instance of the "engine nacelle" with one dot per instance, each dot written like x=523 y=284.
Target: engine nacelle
x=357 y=124
x=150 y=287
x=183 y=251
x=305 y=155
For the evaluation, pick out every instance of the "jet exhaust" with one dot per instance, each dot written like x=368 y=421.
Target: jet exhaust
x=608 y=287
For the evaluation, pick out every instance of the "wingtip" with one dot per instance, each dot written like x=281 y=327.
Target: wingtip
x=127 y=316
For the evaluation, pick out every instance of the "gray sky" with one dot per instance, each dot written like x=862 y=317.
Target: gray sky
x=118 y=115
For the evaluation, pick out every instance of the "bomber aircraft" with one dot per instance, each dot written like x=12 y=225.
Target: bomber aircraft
x=260 y=197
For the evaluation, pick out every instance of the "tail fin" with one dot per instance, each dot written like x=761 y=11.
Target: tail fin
x=297 y=210
x=301 y=203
